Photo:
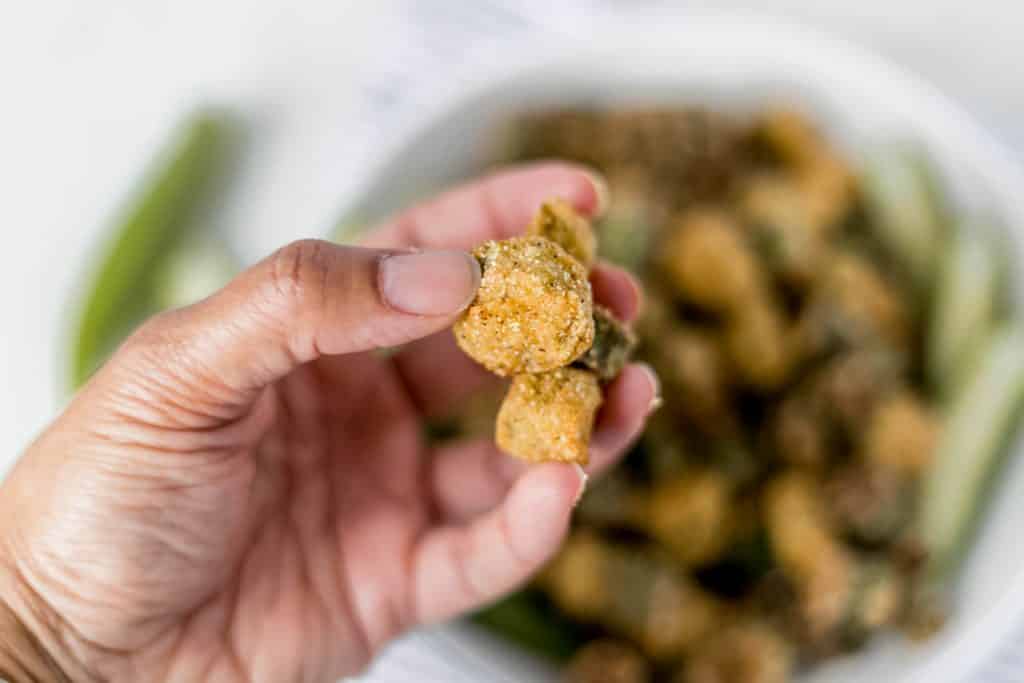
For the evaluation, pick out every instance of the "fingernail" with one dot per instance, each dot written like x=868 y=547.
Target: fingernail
x=652 y=378
x=428 y=282
x=604 y=196
x=583 y=485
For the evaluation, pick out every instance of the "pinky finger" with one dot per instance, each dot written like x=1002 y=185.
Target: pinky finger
x=459 y=568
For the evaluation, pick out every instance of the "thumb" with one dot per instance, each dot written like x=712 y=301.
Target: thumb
x=310 y=298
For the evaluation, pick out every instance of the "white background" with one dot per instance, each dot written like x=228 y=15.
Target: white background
x=89 y=88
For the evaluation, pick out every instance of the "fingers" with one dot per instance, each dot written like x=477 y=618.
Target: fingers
x=311 y=298
x=457 y=568
x=471 y=478
x=616 y=289
x=630 y=398
x=496 y=207
x=440 y=376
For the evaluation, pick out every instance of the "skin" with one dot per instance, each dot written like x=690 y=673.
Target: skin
x=242 y=492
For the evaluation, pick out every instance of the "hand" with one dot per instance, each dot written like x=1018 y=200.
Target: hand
x=243 y=492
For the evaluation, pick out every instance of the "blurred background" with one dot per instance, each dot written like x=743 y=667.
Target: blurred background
x=94 y=88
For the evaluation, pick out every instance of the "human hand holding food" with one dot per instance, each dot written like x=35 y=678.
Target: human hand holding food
x=243 y=492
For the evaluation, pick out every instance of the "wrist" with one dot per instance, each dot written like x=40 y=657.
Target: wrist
x=22 y=656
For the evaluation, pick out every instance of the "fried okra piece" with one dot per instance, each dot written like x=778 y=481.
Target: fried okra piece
x=850 y=386
x=800 y=432
x=852 y=305
x=869 y=504
x=696 y=375
x=902 y=434
x=613 y=345
x=691 y=515
x=840 y=598
x=533 y=311
x=784 y=230
x=759 y=345
x=808 y=551
x=708 y=262
x=633 y=593
x=549 y=416
x=873 y=498
x=608 y=661
x=791 y=137
x=827 y=183
x=558 y=221
x=746 y=652
x=830 y=190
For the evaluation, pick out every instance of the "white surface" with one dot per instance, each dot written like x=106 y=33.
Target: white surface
x=90 y=87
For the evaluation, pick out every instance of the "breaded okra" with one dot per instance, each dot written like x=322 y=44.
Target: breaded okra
x=613 y=345
x=560 y=223
x=808 y=552
x=691 y=515
x=707 y=262
x=533 y=311
x=608 y=661
x=549 y=416
x=748 y=651
x=633 y=592
x=533 y=316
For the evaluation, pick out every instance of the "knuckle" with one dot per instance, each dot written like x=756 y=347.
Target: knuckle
x=299 y=273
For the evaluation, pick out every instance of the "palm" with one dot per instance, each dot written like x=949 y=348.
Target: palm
x=339 y=502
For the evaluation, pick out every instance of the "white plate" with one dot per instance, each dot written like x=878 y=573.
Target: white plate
x=738 y=61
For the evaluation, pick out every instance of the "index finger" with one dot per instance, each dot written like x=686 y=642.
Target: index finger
x=498 y=206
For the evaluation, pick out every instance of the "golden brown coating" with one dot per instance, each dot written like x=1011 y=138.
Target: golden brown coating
x=576 y=577
x=680 y=613
x=784 y=227
x=807 y=550
x=559 y=222
x=799 y=432
x=759 y=345
x=608 y=661
x=693 y=366
x=745 y=652
x=830 y=190
x=708 y=262
x=533 y=311
x=632 y=592
x=690 y=515
x=549 y=416
x=902 y=434
x=866 y=302
x=791 y=136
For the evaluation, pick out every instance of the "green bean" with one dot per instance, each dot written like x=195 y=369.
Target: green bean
x=121 y=291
